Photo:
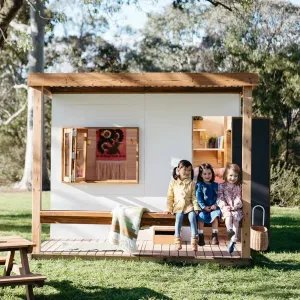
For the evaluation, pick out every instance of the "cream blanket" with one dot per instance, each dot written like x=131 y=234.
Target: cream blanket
x=125 y=226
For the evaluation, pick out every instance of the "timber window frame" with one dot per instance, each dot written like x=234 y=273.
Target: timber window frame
x=79 y=164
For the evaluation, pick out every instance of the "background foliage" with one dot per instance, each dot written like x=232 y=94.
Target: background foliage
x=186 y=36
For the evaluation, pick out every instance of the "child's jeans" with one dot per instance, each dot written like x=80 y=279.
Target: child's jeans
x=192 y=220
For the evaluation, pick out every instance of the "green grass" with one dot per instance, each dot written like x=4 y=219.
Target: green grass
x=274 y=276
x=15 y=214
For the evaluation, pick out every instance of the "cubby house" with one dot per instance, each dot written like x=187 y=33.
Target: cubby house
x=116 y=139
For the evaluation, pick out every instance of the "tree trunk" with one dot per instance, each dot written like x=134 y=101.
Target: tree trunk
x=36 y=65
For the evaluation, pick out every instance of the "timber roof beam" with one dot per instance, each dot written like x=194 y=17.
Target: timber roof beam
x=143 y=82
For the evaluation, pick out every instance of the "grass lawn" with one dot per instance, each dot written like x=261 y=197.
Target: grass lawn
x=276 y=274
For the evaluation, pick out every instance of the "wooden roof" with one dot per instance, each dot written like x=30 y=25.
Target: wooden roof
x=142 y=82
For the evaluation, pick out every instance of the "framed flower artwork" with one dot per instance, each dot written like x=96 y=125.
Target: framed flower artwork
x=100 y=154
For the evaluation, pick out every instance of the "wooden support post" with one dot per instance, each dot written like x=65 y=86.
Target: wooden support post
x=46 y=91
x=246 y=167
x=26 y=271
x=37 y=167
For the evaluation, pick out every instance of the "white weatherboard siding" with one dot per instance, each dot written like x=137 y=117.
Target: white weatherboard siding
x=165 y=137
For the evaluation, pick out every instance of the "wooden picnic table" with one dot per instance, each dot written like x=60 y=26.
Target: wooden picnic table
x=13 y=244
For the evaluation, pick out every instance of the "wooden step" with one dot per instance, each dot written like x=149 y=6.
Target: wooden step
x=30 y=279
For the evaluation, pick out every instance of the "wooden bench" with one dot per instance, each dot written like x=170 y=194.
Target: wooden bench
x=105 y=217
x=29 y=279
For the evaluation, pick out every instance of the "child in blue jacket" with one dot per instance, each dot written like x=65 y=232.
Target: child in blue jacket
x=207 y=194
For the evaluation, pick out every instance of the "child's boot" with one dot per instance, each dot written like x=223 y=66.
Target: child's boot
x=231 y=245
x=177 y=242
x=194 y=242
x=214 y=238
x=201 y=241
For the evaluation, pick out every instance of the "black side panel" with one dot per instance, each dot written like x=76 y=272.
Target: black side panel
x=237 y=141
x=260 y=190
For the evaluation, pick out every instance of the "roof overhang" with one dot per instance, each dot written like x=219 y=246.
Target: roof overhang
x=97 y=83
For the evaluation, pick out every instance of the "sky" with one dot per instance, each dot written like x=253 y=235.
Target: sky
x=132 y=15
x=136 y=16
x=297 y=2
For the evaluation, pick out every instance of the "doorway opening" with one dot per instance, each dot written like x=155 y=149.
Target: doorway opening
x=212 y=143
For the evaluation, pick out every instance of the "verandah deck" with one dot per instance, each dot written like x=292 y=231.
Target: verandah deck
x=147 y=251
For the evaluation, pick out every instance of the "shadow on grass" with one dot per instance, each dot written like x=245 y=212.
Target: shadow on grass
x=285 y=239
x=67 y=290
x=15 y=216
x=268 y=291
x=9 y=225
x=284 y=264
x=284 y=221
x=15 y=223
x=285 y=234
x=21 y=228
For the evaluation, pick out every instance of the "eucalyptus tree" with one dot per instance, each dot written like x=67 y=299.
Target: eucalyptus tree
x=267 y=41
x=10 y=8
x=22 y=51
x=35 y=65
x=13 y=102
x=80 y=46
x=173 y=41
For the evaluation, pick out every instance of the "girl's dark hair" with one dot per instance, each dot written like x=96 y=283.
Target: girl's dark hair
x=203 y=167
x=236 y=169
x=183 y=163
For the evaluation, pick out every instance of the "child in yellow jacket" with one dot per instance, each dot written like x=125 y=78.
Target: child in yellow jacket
x=182 y=200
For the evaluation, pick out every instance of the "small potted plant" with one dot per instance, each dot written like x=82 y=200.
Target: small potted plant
x=212 y=142
x=197 y=120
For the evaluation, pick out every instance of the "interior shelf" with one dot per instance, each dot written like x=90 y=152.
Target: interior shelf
x=208 y=149
x=202 y=130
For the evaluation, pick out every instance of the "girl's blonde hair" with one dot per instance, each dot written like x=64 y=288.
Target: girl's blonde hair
x=236 y=169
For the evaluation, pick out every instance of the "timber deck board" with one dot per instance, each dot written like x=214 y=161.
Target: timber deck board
x=146 y=250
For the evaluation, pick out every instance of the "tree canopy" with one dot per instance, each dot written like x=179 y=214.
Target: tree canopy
x=186 y=36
